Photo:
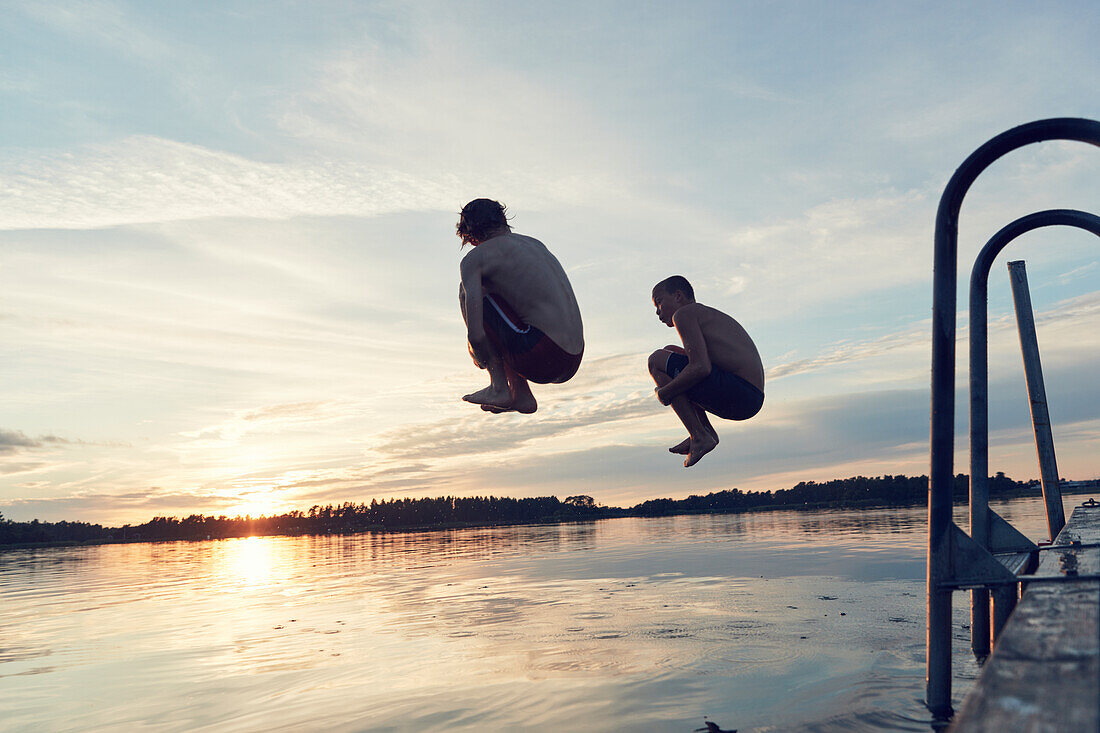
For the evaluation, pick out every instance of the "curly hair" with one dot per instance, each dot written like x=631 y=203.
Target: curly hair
x=479 y=218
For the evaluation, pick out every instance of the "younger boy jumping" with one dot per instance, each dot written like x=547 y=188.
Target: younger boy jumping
x=718 y=370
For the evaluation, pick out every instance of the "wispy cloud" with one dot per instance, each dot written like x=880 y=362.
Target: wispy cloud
x=479 y=433
x=12 y=441
x=433 y=105
x=133 y=507
x=106 y=23
x=1078 y=272
x=1069 y=324
x=851 y=351
x=266 y=419
x=832 y=251
x=148 y=179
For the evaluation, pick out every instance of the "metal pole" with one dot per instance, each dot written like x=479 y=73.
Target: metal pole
x=979 y=446
x=1037 y=395
x=979 y=390
x=942 y=423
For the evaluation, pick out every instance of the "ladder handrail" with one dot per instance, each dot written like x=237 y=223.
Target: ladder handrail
x=942 y=423
x=979 y=359
x=979 y=387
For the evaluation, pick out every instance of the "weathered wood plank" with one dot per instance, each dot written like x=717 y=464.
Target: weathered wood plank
x=1044 y=673
x=1016 y=562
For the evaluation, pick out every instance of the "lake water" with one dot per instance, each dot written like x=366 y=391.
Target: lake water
x=762 y=622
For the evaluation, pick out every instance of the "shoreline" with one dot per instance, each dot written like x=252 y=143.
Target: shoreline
x=602 y=514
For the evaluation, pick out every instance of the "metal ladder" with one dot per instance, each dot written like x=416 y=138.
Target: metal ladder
x=979 y=561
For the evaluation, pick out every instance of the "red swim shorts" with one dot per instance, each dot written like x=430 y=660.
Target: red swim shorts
x=524 y=348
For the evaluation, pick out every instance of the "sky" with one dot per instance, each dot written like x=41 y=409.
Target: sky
x=229 y=274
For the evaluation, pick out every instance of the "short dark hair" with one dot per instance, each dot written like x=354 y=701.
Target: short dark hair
x=674 y=283
x=480 y=217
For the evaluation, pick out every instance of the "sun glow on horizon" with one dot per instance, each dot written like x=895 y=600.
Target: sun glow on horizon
x=258 y=505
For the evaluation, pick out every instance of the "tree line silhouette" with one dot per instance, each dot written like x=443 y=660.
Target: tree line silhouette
x=447 y=512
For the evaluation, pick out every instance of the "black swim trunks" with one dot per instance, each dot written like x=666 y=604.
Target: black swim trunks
x=721 y=393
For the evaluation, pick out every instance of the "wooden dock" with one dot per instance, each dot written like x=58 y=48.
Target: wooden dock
x=1044 y=673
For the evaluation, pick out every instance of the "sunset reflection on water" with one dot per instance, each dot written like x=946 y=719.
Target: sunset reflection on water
x=250 y=559
x=761 y=621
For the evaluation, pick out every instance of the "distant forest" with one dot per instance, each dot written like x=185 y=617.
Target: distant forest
x=449 y=512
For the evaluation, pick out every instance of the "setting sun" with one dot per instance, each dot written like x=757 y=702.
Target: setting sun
x=259 y=505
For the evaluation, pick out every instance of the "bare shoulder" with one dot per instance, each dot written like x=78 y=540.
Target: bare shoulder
x=711 y=321
x=473 y=255
x=475 y=259
x=690 y=313
x=524 y=239
x=497 y=249
x=713 y=315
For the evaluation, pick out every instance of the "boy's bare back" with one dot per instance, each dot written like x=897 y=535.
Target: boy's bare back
x=522 y=271
x=729 y=346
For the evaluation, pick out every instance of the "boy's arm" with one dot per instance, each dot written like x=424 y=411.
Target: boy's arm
x=475 y=324
x=687 y=325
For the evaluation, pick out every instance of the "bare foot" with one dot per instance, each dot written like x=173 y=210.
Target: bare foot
x=525 y=403
x=525 y=406
x=523 y=400
x=699 y=448
x=492 y=396
x=684 y=448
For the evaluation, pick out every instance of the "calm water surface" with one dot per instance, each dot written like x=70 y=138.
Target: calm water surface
x=764 y=622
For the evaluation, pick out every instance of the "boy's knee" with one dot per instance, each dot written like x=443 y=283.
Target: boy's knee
x=658 y=361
